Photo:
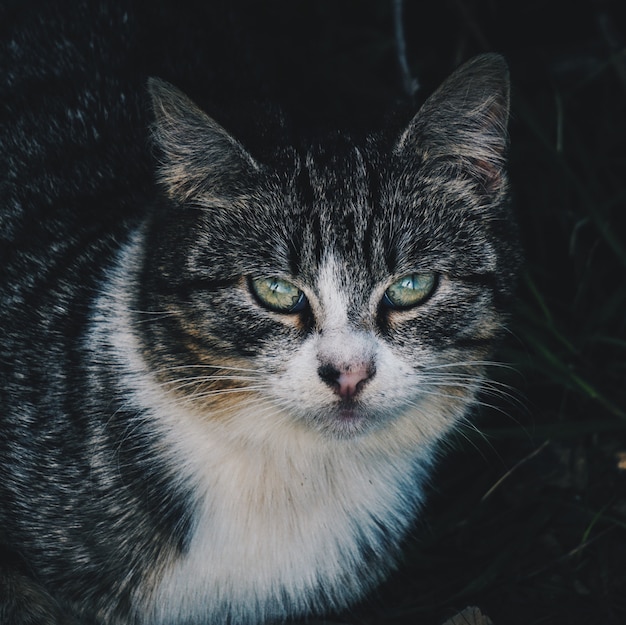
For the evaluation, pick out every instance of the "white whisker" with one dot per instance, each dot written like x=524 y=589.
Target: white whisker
x=205 y=366
x=181 y=383
x=202 y=395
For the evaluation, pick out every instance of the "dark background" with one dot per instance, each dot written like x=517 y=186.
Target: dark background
x=527 y=514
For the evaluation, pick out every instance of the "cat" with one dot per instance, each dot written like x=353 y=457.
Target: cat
x=223 y=392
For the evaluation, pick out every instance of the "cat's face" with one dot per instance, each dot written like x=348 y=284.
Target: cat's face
x=348 y=290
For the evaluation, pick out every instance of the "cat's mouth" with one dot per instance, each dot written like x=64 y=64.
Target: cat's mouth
x=346 y=420
x=350 y=414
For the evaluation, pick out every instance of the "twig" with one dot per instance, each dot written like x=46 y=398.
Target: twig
x=410 y=84
x=513 y=469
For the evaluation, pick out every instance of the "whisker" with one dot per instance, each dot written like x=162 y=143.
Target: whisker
x=181 y=383
x=205 y=366
x=136 y=311
x=455 y=365
x=485 y=383
x=484 y=387
x=194 y=397
x=470 y=363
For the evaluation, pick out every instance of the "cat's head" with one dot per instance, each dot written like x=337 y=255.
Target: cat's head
x=352 y=290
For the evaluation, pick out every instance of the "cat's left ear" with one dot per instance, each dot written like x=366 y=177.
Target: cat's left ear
x=198 y=155
x=465 y=121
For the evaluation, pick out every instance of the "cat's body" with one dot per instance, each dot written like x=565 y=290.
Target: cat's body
x=221 y=395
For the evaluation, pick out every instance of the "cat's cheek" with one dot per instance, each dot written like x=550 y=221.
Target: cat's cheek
x=298 y=383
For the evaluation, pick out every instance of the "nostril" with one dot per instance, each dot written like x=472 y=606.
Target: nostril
x=329 y=374
x=348 y=381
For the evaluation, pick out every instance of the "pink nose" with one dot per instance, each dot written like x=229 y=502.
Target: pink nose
x=346 y=382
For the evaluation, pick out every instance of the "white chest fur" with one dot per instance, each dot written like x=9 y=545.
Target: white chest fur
x=285 y=518
x=277 y=522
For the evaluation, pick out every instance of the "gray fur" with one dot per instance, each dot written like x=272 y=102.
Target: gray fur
x=139 y=373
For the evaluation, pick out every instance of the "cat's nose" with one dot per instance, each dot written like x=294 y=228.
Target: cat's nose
x=347 y=382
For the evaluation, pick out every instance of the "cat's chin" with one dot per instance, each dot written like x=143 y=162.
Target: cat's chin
x=346 y=421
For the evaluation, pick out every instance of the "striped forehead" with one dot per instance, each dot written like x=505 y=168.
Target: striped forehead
x=340 y=217
x=342 y=296
x=339 y=183
x=332 y=296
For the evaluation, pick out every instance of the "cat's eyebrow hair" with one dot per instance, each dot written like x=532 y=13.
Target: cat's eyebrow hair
x=487 y=279
x=187 y=287
x=293 y=254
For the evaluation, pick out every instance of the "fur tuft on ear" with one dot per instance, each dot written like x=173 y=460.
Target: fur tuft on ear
x=464 y=121
x=198 y=155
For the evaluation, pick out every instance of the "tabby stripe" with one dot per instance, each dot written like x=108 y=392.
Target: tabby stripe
x=469 y=343
x=487 y=280
x=185 y=289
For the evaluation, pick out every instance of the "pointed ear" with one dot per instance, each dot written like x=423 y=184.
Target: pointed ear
x=465 y=121
x=198 y=155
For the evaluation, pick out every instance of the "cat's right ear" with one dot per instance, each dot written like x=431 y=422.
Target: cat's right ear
x=465 y=122
x=198 y=156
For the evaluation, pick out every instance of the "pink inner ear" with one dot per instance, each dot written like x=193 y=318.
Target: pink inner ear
x=490 y=174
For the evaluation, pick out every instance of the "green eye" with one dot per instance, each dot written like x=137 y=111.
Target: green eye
x=410 y=290
x=278 y=295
